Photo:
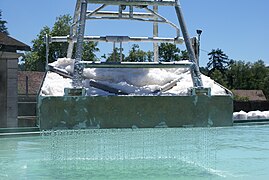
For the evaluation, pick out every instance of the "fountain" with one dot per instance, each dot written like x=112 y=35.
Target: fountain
x=150 y=120
x=198 y=106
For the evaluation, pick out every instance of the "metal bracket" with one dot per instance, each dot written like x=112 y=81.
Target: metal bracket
x=196 y=91
x=74 y=91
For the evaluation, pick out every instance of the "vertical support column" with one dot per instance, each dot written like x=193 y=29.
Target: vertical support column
x=78 y=67
x=155 y=34
x=47 y=51
x=3 y=91
x=114 y=51
x=120 y=11
x=73 y=29
x=131 y=10
x=121 y=51
x=27 y=86
x=196 y=75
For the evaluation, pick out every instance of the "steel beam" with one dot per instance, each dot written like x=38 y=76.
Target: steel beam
x=146 y=17
x=47 y=50
x=120 y=39
x=196 y=75
x=94 y=12
x=163 y=19
x=155 y=34
x=78 y=67
x=73 y=29
x=135 y=2
x=116 y=14
x=89 y=64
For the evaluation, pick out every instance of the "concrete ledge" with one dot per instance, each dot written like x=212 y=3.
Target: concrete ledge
x=11 y=132
x=18 y=134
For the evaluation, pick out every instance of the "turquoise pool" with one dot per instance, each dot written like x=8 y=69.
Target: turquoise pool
x=180 y=153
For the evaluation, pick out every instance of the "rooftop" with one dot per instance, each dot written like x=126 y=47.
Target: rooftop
x=9 y=44
x=251 y=95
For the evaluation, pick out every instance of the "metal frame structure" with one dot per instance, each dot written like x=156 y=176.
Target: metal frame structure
x=81 y=15
x=121 y=109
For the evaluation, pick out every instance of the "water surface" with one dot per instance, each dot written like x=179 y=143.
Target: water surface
x=180 y=153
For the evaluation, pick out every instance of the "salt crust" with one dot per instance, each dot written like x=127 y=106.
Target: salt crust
x=140 y=82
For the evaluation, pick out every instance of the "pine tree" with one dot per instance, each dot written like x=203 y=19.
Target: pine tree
x=3 y=23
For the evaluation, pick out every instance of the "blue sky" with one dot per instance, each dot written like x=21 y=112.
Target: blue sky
x=240 y=28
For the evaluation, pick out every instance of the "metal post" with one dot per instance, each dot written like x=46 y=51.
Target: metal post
x=26 y=86
x=47 y=51
x=155 y=34
x=199 y=32
x=185 y=33
x=73 y=29
x=120 y=11
x=120 y=51
x=78 y=67
x=196 y=75
x=131 y=12
x=114 y=53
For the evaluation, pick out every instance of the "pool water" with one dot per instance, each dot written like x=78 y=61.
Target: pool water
x=179 y=153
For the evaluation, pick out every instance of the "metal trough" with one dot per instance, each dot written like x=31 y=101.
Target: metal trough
x=75 y=110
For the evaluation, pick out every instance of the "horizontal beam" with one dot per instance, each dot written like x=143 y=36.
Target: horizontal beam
x=179 y=64
x=135 y=2
x=118 y=39
x=116 y=14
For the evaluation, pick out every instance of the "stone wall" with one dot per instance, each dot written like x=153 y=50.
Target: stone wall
x=8 y=89
x=3 y=92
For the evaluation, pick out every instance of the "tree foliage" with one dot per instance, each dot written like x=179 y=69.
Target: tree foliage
x=89 y=49
x=115 y=56
x=237 y=74
x=244 y=75
x=218 y=60
x=249 y=76
x=138 y=55
x=36 y=59
x=184 y=55
x=169 y=52
x=3 y=23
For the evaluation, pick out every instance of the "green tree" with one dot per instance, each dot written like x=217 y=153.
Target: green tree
x=60 y=28
x=36 y=59
x=169 y=52
x=138 y=55
x=217 y=60
x=3 y=23
x=248 y=76
x=204 y=70
x=89 y=49
x=184 y=55
x=258 y=74
x=115 y=56
x=238 y=75
x=219 y=77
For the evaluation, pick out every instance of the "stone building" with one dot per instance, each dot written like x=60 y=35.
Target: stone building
x=8 y=79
